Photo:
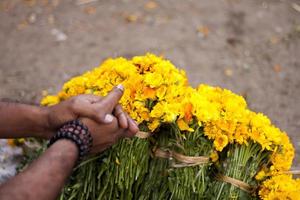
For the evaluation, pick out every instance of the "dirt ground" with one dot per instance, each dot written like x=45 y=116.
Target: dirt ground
x=251 y=47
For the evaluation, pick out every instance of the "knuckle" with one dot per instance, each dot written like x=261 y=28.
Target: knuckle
x=99 y=107
x=94 y=98
x=119 y=106
x=73 y=103
x=101 y=116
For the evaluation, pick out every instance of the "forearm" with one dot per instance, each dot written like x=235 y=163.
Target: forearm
x=20 y=120
x=45 y=178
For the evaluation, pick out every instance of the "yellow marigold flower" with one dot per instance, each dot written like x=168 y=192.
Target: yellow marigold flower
x=50 y=100
x=183 y=126
x=154 y=124
x=220 y=142
x=153 y=80
x=282 y=158
x=188 y=108
x=144 y=115
x=161 y=92
x=214 y=156
x=149 y=92
x=157 y=111
x=260 y=175
x=280 y=187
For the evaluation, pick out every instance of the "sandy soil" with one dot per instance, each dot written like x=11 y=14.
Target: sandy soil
x=251 y=47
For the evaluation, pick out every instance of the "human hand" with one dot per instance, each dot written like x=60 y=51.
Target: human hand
x=121 y=125
x=88 y=106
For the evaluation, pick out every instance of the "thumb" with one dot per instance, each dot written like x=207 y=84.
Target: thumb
x=111 y=100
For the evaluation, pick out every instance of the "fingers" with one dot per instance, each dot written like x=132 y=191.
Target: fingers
x=85 y=106
x=92 y=108
x=125 y=121
x=90 y=98
x=128 y=134
x=120 y=115
x=99 y=108
x=131 y=130
x=96 y=128
x=91 y=111
x=132 y=126
x=111 y=100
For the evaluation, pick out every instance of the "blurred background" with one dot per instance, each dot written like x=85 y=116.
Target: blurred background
x=250 y=47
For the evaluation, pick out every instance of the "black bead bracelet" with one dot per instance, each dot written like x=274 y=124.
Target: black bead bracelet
x=78 y=133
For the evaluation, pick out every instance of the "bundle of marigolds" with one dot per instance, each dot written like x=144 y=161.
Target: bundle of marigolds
x=195 y=143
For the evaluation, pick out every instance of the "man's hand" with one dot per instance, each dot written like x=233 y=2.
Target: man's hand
x=104 y=135
x=104 y=117
x=92 y=107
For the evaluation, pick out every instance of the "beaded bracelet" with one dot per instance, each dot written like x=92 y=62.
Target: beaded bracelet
x=78 y=133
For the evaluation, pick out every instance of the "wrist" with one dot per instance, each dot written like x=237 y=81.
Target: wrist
x=46 y=130
x=76 y=132
x=38 y=117
x=66 y=148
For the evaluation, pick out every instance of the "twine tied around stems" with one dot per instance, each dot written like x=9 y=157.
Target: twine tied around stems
x=185 y=161
x=142 y=134
x=237 y=183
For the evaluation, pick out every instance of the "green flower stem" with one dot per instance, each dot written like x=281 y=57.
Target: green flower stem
x=241 y=162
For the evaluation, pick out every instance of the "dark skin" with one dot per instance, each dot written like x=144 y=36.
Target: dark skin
x=46 y=176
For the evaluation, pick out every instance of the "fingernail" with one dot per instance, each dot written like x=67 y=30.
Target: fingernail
x=108 y=118
x=120 y=87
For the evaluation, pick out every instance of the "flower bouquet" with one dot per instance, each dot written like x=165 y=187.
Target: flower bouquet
x=194 y=143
